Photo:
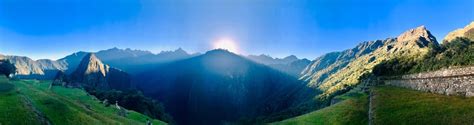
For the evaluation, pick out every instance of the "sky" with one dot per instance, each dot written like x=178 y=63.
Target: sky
x=306 y=28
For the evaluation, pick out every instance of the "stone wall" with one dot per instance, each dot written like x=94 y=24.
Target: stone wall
x=457 y=81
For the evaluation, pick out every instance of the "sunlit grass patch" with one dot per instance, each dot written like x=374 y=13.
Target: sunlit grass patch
x=395 y=105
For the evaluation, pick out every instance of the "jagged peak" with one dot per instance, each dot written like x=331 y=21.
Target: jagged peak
x=293 y=57
x=180 y=50
x=414 y=34
x=91 y=56
x=91 y=64
x=419 y=36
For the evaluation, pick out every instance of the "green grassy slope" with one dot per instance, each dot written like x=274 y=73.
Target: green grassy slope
x=351 y=110
x=31 y=102
x=392 y=106
x=395 y=105
x=12 y=108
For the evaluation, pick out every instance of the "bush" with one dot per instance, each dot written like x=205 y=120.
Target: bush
x=133 y=100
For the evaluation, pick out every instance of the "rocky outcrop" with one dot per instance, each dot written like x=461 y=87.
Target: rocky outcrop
x=458 y=81
x=420 y=34
x=467 y=32
x=92 y=73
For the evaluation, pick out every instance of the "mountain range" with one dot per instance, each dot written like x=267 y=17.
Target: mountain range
x=220 y=87
x=337 y=71
x=290 y=64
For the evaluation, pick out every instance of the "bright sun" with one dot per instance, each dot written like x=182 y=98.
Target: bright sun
x=227 y=44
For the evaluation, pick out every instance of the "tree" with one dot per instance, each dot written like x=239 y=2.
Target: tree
x=7 y=68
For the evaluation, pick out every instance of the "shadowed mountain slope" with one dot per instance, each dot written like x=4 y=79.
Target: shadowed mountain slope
x=220 y=87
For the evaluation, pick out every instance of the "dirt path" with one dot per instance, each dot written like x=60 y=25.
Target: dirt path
x=39 y=115
x=371 y=107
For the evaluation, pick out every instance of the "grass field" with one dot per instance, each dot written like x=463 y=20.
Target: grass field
x=32 y=102
x=392 y=106
x=351 y=110
x=395 y=105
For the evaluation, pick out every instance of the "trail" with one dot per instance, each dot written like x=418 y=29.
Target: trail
x=39 y=115
x=371 y=110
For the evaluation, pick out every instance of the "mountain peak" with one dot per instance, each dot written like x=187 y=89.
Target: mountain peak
x=115 y=48
x=180 y=50
x=467 y=31
x=414 y=34
x=219 y=51
x=91 y=56
x=420 y=35
x=91 y=72
x=91 y=64
x=292 y=57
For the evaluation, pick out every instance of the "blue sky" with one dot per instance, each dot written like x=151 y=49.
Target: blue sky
x=305 y=28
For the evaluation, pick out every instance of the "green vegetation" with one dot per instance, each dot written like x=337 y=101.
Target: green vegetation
x=395 y=105
x=33 y=102
x=351 y=110
x=458 y=52
x=12 y=111
x=133 y=100
x=392 y=106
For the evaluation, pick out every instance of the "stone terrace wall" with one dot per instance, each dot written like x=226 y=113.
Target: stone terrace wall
x=458 y=81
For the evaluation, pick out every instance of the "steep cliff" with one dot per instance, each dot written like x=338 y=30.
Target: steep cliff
x=92 y=73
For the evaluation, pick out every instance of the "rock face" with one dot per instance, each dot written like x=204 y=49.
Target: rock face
x=419 y=34
x=459 y=81
x=336 y=71
x=290 y=64
x=467 y=32
x=92 y=73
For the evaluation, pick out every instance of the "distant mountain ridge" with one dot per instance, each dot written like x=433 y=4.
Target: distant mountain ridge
x=135 y=59
x=290 y=64
x=40 y=69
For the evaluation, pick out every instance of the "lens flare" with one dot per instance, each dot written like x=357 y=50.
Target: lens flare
x=227 y=44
